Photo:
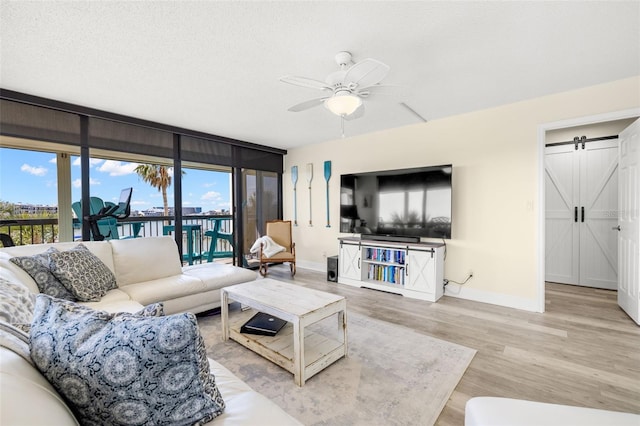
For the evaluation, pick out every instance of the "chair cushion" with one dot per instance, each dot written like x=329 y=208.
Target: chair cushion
x=82 y=273
x=38 y=267
x=282 y=257
x=124 y=368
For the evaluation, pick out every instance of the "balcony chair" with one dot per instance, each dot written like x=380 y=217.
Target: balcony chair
x=6 y=240
x=216 y=235
x=280 y=232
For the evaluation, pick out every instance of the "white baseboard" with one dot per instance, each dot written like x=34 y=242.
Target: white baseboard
x=455 y=290
x=314 y=266
x=468 y=293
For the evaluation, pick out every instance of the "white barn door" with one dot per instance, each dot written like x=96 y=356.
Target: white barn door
x=629 y=221
x=599 y=199
x=562 y=228
x=581 y=187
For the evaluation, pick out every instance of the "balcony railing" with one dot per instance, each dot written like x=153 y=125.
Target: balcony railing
x=39 y=231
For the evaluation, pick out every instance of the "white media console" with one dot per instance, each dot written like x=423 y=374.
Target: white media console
x=412 y=269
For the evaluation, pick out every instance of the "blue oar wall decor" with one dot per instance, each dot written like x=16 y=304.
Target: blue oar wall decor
x=294 y=179
x=327 y=176
x=309 y=179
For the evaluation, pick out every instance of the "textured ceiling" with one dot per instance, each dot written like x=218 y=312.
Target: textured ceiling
x=214 y=66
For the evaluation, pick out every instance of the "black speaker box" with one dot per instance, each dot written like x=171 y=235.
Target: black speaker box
x=332 y=269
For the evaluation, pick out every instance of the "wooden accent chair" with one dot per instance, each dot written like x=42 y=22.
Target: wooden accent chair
x=280 y=232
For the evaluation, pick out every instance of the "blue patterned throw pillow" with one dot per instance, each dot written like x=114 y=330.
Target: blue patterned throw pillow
x=124 y=369
x=82 y=273
x=37 y=266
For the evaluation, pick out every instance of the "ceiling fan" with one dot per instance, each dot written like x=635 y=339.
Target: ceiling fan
x=345 y=89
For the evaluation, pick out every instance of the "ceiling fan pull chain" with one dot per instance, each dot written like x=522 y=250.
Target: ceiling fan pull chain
x=342 y=125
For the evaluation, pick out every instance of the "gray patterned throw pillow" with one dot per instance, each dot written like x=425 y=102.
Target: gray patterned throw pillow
x=124 y=369
x=37 y=266
x=83 y=273
x=16 y=304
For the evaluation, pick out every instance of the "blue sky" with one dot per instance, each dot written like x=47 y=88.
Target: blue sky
x=31 y=177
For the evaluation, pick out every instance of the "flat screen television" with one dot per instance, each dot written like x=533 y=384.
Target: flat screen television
x=412 y=202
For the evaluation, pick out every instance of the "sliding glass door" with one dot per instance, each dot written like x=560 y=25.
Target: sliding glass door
x=260 y=203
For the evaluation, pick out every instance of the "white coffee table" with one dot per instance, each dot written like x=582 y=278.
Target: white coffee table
x=294 y=348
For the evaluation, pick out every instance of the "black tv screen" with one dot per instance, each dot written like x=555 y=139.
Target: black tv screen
x=408 y=202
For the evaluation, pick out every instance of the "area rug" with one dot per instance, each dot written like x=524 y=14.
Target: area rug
x=393 y=375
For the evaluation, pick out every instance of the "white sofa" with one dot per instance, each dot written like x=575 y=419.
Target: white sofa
x=493 y=411
x=147 y=270
x=28 y=399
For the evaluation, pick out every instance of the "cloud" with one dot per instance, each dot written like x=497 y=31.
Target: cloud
x=117 y=168
x=211 y=196
x=33 y=170
x=92 y=162
x=78 y=183
x=54 y=160
x=139 y=203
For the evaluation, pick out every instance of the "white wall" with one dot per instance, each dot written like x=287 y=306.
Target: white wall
x=495 y=186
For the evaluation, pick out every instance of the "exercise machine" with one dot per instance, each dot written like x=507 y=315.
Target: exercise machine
x=122 y=210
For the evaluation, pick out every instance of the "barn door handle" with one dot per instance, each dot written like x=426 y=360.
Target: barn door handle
x=575 y=214
x=616 y=228
x=582 y=213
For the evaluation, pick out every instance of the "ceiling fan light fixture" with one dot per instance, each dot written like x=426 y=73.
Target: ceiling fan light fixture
x=343 y=104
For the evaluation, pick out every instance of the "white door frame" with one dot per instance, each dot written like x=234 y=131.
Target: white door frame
x=542 y=130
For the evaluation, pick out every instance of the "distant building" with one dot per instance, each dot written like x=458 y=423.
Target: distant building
x=159 y=211
x=35 y=209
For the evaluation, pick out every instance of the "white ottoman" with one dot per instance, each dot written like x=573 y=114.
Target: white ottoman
x=490 y=411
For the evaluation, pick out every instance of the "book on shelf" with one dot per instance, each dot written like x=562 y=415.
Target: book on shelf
x=263 y=324
x=391 y=274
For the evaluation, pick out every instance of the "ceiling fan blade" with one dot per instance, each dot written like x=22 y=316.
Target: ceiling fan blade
x=382 y=92
x=356 y=114
x=381 y=89
x=366 y=73
x=305 y=82
x=307 y=104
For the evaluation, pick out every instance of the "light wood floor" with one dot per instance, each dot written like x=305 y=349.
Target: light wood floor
x=583 y=351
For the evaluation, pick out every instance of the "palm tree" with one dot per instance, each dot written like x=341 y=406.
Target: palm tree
x=158 y=177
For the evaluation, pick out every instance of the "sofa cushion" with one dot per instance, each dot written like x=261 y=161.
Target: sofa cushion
x=16 y=304
x=145 y=259
x=83 y=273
x=12 y=272
x=216 y=276
x=38 y=266
x=163 y=289
x=27 y=397
x=102 y=249
x=238 y=396
x=124 y=368
x=16 y=340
